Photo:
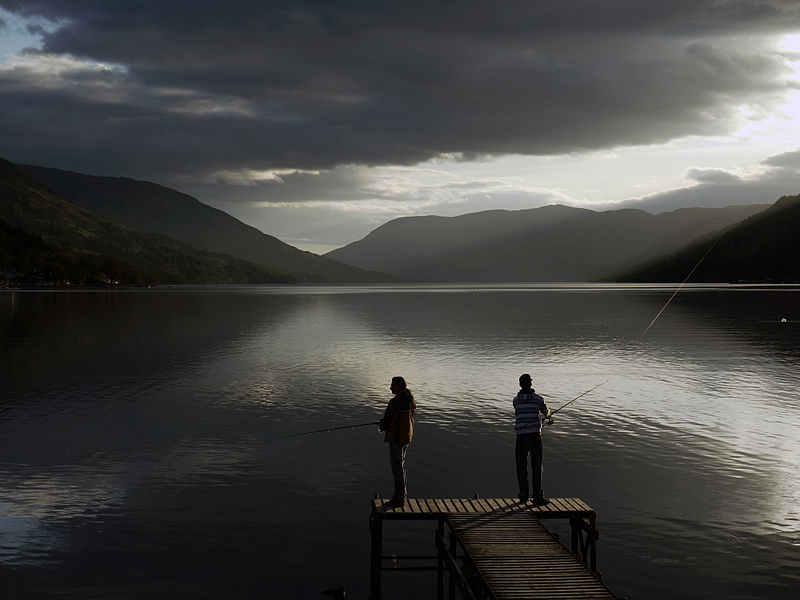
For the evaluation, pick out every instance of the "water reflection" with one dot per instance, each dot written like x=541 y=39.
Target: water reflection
x=145 y=431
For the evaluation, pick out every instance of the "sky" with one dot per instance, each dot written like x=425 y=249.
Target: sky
x=318 y=121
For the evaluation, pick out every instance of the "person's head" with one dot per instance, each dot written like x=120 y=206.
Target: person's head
x=525 y=381
x=398 y=385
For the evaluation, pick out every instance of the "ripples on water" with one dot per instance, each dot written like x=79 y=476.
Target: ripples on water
x=142 y=448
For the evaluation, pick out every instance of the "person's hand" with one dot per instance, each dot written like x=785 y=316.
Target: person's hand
x=549 y=420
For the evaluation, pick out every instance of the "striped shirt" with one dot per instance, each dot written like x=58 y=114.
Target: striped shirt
x=527 y=406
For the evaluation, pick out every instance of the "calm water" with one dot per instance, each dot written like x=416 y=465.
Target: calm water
x=142 y=451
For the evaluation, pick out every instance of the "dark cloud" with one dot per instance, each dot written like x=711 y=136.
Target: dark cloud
x=203 y=86
x=717 y=188
x=785 y=161
x=712 y=176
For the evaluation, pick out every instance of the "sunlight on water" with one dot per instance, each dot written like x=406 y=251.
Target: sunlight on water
x=144 y=432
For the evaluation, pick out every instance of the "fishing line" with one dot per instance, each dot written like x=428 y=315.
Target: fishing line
x=663 y=308
x=702 y=258
x=329 y=429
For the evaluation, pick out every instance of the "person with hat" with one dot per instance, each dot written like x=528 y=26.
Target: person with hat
x=528 y=406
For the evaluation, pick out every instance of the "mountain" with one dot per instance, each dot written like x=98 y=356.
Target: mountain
x=154 y=208
x=764 y=247
x=551 y=243
x=44 y=237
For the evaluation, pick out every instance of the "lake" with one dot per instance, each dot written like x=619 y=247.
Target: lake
x=143 y=448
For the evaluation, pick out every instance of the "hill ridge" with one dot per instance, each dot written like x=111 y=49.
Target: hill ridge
x=761 y=248
x=148 y=206
x=548 y=243
x=67 y=242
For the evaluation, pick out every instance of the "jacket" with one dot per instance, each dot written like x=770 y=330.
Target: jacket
x=398 y=420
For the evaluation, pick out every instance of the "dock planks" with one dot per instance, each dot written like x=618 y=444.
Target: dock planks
x=435 y=508
x=519 y=559
x=504 y=542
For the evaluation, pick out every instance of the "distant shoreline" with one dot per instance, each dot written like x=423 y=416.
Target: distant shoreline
x=565 y=286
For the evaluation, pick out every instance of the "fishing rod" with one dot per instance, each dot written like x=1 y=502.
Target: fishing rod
x=663 y=308
x=330 y=429
x=579 y=396
x=550 y=422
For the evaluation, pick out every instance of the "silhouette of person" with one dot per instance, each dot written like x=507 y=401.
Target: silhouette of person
x=528 y=406
x=398 y=423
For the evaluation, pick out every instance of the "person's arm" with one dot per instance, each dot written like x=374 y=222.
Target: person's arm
x=388 y=415
x=545 y=410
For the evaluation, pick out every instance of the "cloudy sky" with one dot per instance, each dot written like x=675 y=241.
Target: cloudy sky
x=318 y=121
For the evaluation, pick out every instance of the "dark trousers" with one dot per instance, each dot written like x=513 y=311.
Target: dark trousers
x=397 y=459
x=529 y=443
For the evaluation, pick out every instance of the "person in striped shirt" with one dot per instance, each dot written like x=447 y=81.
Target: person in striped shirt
x=528 y=406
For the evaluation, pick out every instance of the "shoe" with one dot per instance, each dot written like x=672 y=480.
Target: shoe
x=523 y=499
x=541 y=501
x=394 y=503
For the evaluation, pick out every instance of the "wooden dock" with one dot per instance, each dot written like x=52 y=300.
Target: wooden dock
x=498 y=548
